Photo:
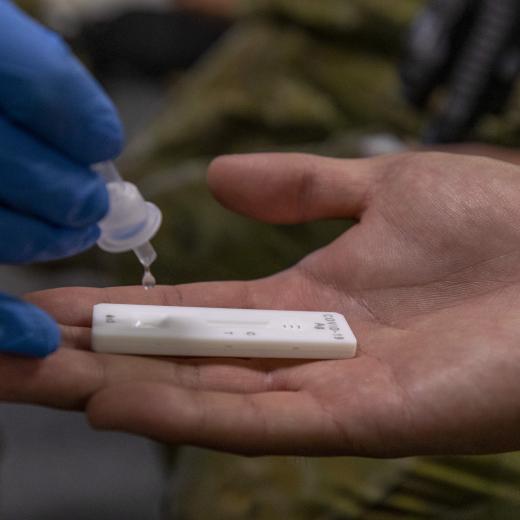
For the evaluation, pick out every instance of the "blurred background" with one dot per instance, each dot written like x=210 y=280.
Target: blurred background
x=197 y=78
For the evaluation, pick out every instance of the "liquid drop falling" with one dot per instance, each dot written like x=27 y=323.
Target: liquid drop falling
x=148 y=279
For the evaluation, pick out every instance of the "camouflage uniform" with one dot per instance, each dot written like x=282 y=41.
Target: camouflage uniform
x=226 y=487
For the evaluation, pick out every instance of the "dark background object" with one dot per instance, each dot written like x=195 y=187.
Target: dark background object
x=468 y=51
x=148 y=43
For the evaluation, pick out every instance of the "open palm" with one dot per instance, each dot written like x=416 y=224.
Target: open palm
x=429 y=279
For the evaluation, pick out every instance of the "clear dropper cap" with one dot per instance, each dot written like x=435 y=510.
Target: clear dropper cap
x=131 y=221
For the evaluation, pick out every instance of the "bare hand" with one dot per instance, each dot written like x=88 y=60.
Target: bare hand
x=429 y=279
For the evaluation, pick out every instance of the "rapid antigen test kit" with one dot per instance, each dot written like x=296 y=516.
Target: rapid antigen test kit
x=196 y=331
x=212 y=332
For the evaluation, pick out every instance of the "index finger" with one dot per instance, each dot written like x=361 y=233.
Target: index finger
x=275 y=422
x=73 y=306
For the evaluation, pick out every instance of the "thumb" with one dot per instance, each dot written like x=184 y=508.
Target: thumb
x=293 y=188
x=25 y=329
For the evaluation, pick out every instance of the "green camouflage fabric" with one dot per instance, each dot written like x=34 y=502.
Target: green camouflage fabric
x=279 y=80
x=293 y=75
x=289 y=76
x=212 y=485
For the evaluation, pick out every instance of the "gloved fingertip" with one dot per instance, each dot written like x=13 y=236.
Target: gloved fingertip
x=114 y=140
x=107 y=137
x=81 y=243
x=26 y=330
x=92 y=236
x=92 y=207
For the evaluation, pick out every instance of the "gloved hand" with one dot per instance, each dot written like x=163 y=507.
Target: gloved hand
x=468 y=51
x=54 y=122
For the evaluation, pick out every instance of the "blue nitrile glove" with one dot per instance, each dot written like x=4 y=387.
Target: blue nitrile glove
x=54 y=122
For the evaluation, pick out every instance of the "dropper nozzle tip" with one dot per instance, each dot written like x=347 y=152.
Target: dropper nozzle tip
x=146 y=254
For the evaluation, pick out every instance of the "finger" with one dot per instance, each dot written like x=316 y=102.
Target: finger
x=37 y=180
x=69 y=377
x=65 y=379
x=26 y=330
x=269 y=422
x=73 y=306
x=292 y=188
x=222 y=374
x=44 y=88
x=30 y=240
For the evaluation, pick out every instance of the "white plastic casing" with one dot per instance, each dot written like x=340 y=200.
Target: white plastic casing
x=211 y=332
x=131 y=220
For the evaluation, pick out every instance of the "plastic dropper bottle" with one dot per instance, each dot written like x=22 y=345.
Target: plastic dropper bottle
x=131 y=221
